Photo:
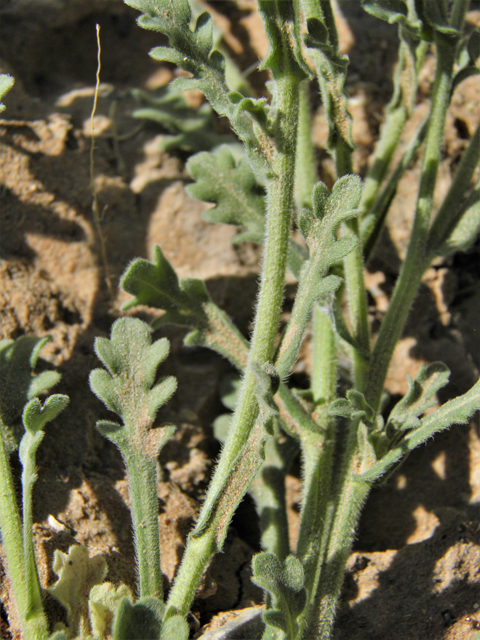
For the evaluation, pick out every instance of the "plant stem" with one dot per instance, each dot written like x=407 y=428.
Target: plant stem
x=387 y=144
x=448 y=214
x=306 y=170
x=34 y=605
x=142 y=480
x=415 y=261
x=398 y=111
x=32 y=619
x=317 y=454
x=349 y=505
x=372 y=223
x=209 y=534
x=268 y=492
x=11 y=529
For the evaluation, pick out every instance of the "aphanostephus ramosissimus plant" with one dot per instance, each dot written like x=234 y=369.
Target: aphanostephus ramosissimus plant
x=264 y=194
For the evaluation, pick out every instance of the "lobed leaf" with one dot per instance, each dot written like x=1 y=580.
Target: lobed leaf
x=156 y=284
x=419 y=397
x=354 y=407
x=422 y=18
x=18 y=385
x=318 y=226
x=237 y=196
x=285 y=582
x=284 y=50
x=35 y=417
x=103 y=602
x=331 y=69
x=456 y=411
x=191 y=129
x=192 y=49
x=128 y=387
x=77 y=574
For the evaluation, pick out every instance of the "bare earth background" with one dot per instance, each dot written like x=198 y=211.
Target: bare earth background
x=415 y=570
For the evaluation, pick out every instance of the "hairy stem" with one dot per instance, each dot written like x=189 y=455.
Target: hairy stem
x=398 y=111
x=27 y=595
x=372 y=223
x=317 y=455
x=209 y=533
x=306 y=171
x=415 y=261
x=448 y=214
x=142 y=480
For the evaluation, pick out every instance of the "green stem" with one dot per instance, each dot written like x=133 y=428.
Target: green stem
x=342 y=513
x=358 y=307
x=11 y=529
x=451 y=209
x=142 y=480
x=306 y=169
x=398 y=111
x=34 y=607
x=347 y=513
x=415 y=261
x=372 y=223
x=324 y=366
x=32 y=620
x=317 y=455
x=387 y=144
x=269 y=494
x=209 y=534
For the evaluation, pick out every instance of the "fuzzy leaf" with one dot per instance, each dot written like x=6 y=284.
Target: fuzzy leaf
x=331 y=68
x=6 y=83
x=318 y=226
x=238 y=197
x=156 y=284
x=77 y=574
x=175 y=628
x=456 y=411
x=36 y=416
x=191 y=129
x=419 y=397
x=142 y=620
x=284 y=581
x=422 y=20
x=279 y=24
x=17 y=384
x=129 y=388
x=467 y=229
x=187 y=303
x=192 y=48
x=353 y=407
x=102 y=605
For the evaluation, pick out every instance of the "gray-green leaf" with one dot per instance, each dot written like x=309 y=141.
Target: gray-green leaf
x=237 y=196
x=18 y=385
